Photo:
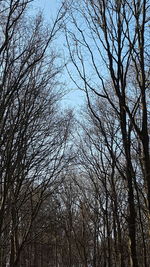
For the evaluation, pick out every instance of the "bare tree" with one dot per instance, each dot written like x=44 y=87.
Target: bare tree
x=33 y=133
x=107 y=41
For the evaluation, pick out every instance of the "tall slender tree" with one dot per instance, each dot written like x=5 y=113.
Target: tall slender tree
x=33 y=133
x=107 y=41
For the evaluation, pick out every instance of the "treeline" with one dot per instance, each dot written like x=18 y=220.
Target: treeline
x=75 y=191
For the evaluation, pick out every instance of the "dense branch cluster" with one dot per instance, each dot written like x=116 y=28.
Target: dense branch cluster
x=33 y=132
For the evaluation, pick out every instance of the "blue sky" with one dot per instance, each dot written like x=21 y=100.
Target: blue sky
x=49 y=8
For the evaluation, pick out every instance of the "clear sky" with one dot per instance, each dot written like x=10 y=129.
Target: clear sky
x=49 y=8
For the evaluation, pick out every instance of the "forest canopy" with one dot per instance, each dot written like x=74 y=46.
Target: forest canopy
x=75 y=187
